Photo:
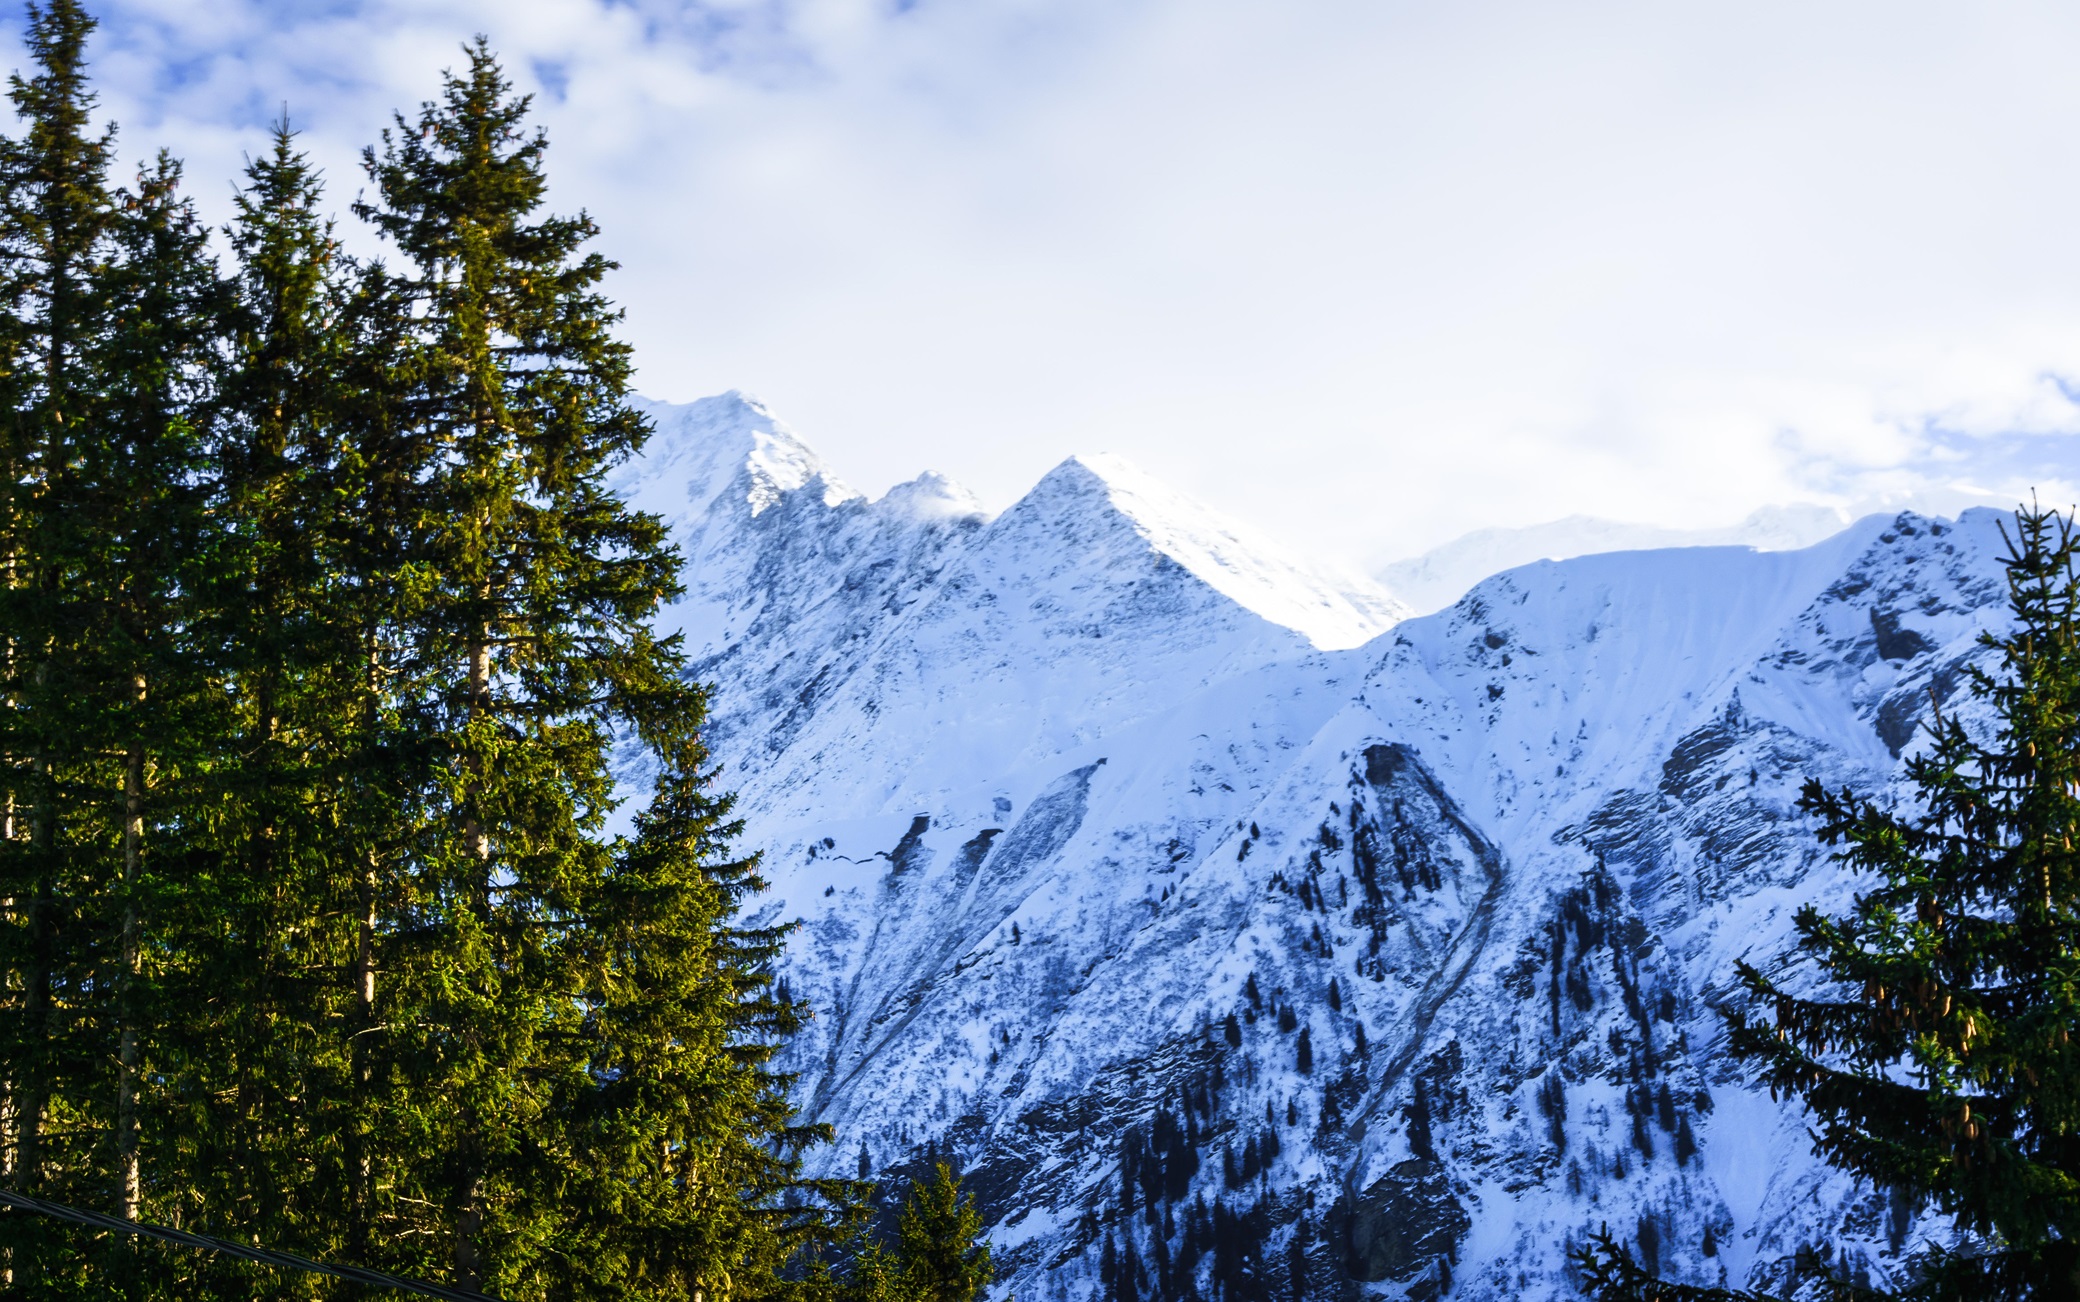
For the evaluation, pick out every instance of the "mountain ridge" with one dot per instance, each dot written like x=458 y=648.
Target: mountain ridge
x=1436 y=578
x=1396 y=964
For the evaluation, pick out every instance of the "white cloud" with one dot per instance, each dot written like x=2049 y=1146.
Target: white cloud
x=1369 y=273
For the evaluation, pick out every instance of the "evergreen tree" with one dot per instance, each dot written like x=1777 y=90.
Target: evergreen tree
x=1937 y=1057
x=939 y=1255
x=575 y=1089
x=262 y=1102
x=56 y=217
x=147 y=509
x=944 y=1254
x=112 y=313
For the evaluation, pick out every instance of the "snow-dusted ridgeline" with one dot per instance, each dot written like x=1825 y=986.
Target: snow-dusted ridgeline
x=1095 y=810
x=1443 y=574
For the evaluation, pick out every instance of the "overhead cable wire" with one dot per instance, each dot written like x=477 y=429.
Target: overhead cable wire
x=265 y=1256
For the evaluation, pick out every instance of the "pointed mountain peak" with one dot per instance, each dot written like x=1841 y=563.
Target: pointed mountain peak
x=729 y=442
x=932 y=496
x=1331 y=610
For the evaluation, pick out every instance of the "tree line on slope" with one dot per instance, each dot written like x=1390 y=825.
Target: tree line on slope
x=321 y=641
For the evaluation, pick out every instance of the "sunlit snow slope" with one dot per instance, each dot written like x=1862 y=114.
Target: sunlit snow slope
x=1234 y=955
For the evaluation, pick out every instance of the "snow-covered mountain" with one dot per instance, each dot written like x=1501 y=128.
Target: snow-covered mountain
x=1442 y=575
x=1242 y=939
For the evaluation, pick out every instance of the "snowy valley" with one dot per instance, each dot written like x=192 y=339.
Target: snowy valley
x=1240 y=936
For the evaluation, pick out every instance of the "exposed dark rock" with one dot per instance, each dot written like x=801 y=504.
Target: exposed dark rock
x=910 y=852
x=1895 y=641
x=1405 y=1222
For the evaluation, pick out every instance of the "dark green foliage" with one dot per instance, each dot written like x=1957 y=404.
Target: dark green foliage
x=105 y=546
x=1241 y=1268
x=321 y=631
x=55 y=244
x=939 y=1254
x=1173 y=1156
x=1296 y=1263
x=294 y=671
x=1640 y=1106
x=570 y=1079
x=939 y=1243
x=1936 y=1056
x=1609 y=1270
x=1219 y=1252
x=1130 y=1160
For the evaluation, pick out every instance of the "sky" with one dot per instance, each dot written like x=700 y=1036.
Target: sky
x=1369 y=275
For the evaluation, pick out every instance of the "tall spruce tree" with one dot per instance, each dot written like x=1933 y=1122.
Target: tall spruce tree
x=146 y=509
x=111 y=303
x=55 y=219
x=572 y=1082
x=1937 y=1056
x=263 y=1101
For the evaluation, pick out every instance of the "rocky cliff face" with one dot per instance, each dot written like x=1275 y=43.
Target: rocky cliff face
x=1242 y=939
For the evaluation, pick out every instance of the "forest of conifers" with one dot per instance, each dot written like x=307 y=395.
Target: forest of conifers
x=320 y=632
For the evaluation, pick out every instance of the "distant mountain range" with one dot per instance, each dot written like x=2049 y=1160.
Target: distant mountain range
x=1440 y=576
x=1242 y=937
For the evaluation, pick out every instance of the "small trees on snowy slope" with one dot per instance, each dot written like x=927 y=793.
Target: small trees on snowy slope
x=1939 y=1059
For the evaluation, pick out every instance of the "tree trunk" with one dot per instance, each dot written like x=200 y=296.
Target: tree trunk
x=469 y=1215
x=127 y=1179
x=29 y=1094
x=361 y=1166
x=33 y=1089
x=360 y=1157
x=469 y=1221
x=479 y=698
